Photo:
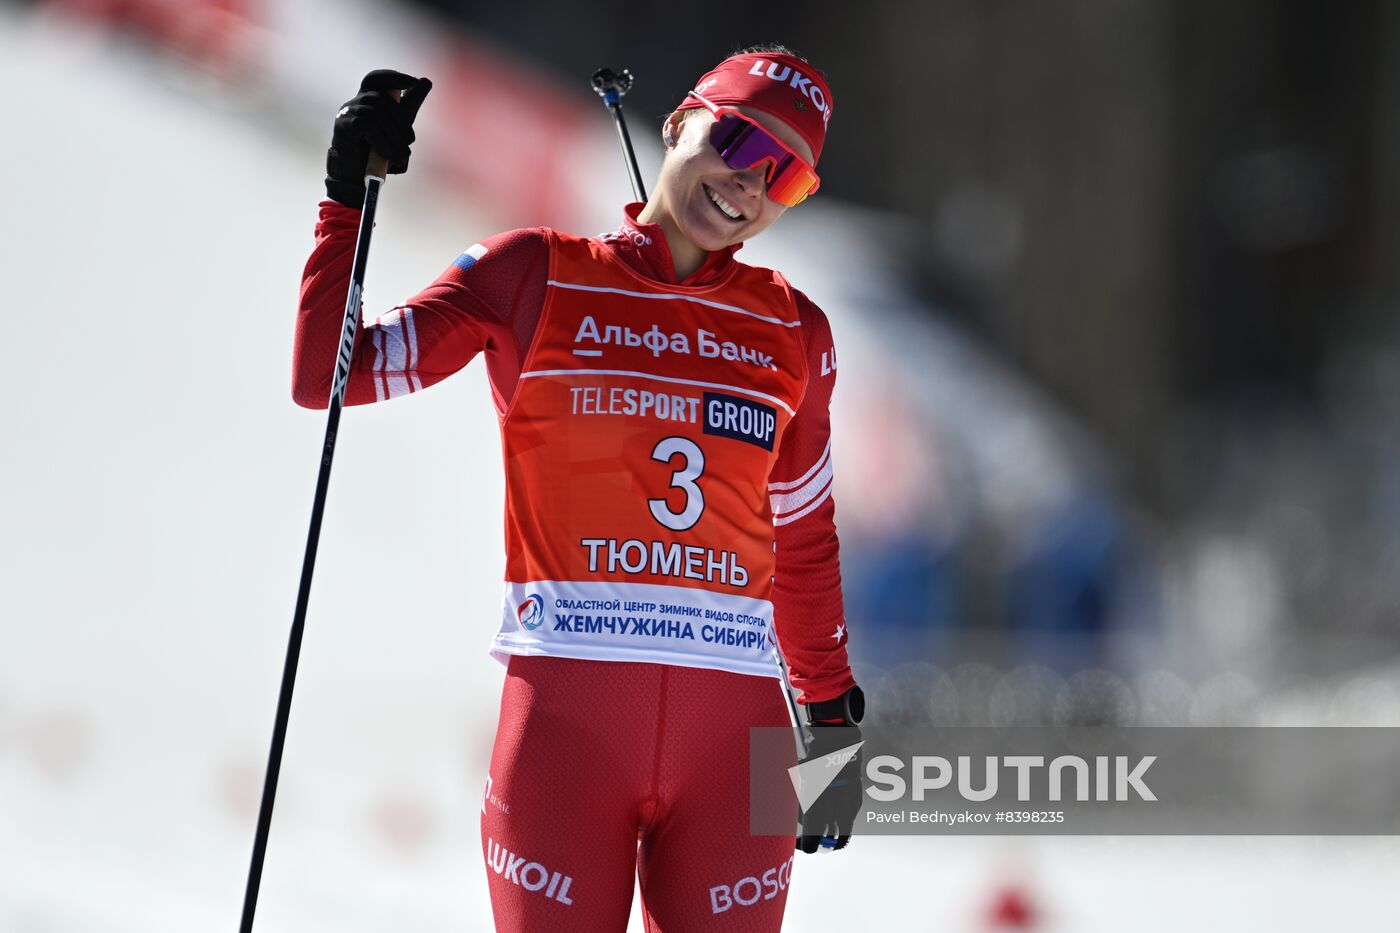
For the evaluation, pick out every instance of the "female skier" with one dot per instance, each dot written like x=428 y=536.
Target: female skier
x=664 y=421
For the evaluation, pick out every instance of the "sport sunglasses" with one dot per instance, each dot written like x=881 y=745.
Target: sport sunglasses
x=743 y=144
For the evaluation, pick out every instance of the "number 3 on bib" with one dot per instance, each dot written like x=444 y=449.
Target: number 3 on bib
x=683 y=479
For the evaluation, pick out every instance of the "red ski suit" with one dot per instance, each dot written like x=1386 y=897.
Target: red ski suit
x=668 y=513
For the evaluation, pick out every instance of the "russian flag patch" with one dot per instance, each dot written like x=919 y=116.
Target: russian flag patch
x=469 y=258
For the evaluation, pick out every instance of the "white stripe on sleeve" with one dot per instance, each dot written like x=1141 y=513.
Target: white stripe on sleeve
x=395 y=354
x=817 y=486
x=809 y=507
x=378 y=372
x=415 y=384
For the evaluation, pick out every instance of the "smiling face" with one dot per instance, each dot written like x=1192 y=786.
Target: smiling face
x=712 y=205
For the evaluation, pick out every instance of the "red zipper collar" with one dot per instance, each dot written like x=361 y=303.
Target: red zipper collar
x=644 y=248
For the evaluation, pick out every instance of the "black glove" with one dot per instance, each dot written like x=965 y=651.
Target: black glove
x=372 y=119
x=827 y=822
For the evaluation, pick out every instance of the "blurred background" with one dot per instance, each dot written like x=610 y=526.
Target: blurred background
x=1117 y=430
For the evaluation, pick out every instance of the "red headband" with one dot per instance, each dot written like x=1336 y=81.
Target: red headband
x=784 y=86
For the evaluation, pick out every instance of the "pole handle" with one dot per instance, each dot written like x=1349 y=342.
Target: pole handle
x=611 y=85
x=378 y=166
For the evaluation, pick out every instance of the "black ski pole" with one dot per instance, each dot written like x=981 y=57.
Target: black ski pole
x=375 y=173
x=612 y=85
